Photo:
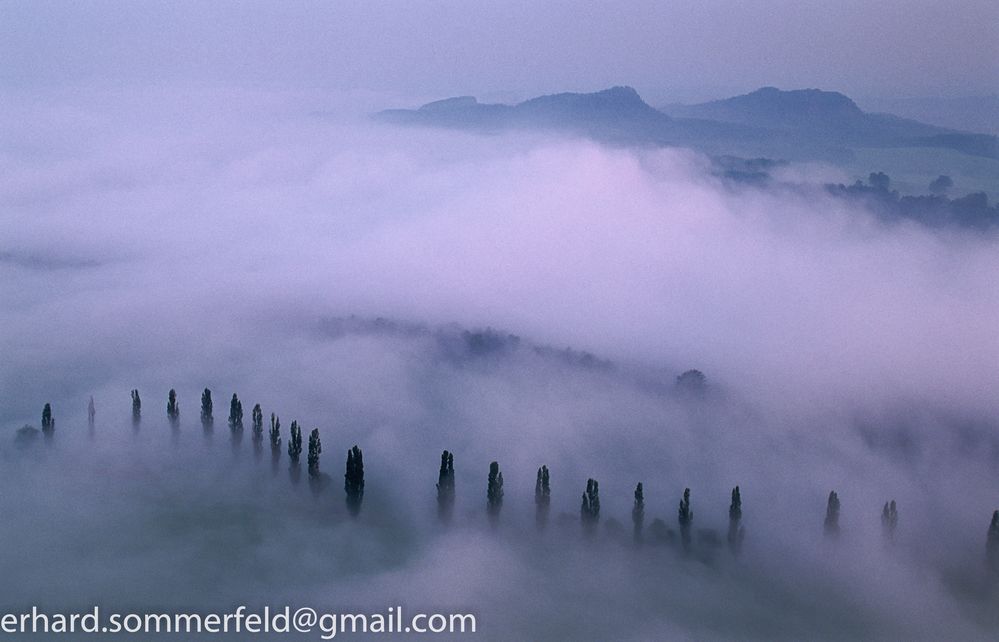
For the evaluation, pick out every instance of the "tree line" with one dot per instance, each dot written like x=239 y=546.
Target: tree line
x=590 y=499
x=353 y=477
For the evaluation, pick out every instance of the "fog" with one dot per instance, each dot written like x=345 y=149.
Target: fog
x=283 y=246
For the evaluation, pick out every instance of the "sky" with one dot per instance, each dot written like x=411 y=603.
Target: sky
x=670 y=51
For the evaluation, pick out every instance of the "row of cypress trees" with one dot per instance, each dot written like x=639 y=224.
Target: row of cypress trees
x=589 y=508
x=353 y=477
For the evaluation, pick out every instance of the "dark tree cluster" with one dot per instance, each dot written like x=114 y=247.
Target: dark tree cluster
x=25 y=436
x=315 y=448
x=935 y=210
x=638 y=513
x=136 y=408
x=445 y=487
x=275 y=435
x=736 y=533
x=207 y=419
x=685 y=518
x=235 y=414
x=48 y=423
x=889 y=519
x=542 y=497
x=692 y=382
x=494 y=492
x=173 y=408
x=258 y=428
x=295 y=443
x=353 y=480
x=941 y=184
x=992 y=544
x=589 y=511
x=832 y=514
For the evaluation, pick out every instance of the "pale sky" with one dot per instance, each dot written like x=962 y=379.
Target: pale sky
x=679 y=50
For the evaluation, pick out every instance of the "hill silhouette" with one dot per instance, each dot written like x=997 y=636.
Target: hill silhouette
x=805 y=124
x=834 y=118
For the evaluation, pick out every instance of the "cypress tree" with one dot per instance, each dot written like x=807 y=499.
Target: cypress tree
x=295 y=443
x=136 y=407
x=889 y=520
x=206 y=410
x=48 y=423
x=589 y=512
x=445 y=487
x=638 y=513
x=353 y=480
x=735 y=531
x=235 y=414
x=832 y=514
x=173 y=408
x=315 y=447
x=91 y=412
x=542 y=497
x=258 y=429
x=275 y=436
x=685 y=517
x=494 y=492
x=992 y=544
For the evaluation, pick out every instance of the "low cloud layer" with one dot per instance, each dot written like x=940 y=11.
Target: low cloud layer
x=183 y=237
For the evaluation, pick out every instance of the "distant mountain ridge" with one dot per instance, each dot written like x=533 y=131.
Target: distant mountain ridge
x=772 y=107
x=616 y=108
x=800 y=124
x=830 y=114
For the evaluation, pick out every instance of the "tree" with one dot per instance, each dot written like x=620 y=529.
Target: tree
x=295 y=443
x=879 y=181
x=542 y=497
x=992 y=543
x=735 y=531
x=136 y=407
x=353 y=480
x=941 y=184
x=173 y=409
x=315 y=447
x=48 y=423
x=692 y=382
x=685 y=517
x=445 y=487
x=589 y=511
x=258 y=428
x=889 y=520
x=91 y=412
x=206 y=410
x=494 y=492
x=235 y=414
x=275 y=436
x=832 y=514
x=638 y=513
